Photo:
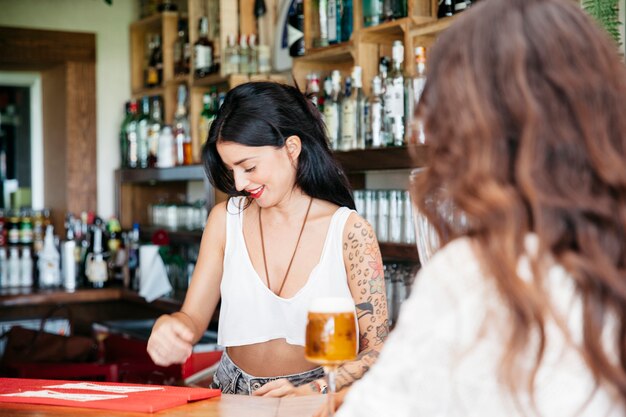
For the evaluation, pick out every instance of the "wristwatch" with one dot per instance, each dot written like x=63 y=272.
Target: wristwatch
x=322 y=387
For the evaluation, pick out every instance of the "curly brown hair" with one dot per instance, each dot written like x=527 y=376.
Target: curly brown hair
x=525 y=112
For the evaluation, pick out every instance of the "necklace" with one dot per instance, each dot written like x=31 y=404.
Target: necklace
x=267 y=275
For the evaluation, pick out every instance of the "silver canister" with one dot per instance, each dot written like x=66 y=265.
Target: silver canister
x=409 y=225
x=395 y=216
x=371 y=209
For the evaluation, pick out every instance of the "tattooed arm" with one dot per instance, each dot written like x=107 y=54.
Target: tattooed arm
x=364 y=268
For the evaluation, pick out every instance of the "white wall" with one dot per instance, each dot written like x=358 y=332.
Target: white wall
x=110 y=24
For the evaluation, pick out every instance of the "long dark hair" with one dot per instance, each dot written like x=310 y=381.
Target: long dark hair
x=266 y=114
x=524 y=109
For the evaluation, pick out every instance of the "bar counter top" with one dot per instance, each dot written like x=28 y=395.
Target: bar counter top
x=225 y=406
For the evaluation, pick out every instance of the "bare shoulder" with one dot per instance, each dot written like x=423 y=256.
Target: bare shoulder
x=358 y=229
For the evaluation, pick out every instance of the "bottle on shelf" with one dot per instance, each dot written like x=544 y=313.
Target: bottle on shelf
x=69 y=256
x=181 y=49
x=313 y=88
x=445 y=9
x=208 y=114
x=374 y=137
x=154 y=130
x=26 y=227
x=334 y=21
x=322 y=11
x=4 y=268
x=131 y=136
x=394 y=95
x=95 y=265
x=3 y=230
x=347 y=22
x=244 y=55
x=123 y=139
x=48 y=263
x=154 y=70
x=203 y=51
x=13 y=267
x=372 y=11
x=332 y=110
x=143 y=123
x=361 y=108
x=116 y=252
x=295 y=28
x=415 y=129
x=181 y=129
x=166 y=158
x=348 y=118
x=133 y=258
x=231 y=56
x=26 y=267
x=253 y=66
x=461 y=5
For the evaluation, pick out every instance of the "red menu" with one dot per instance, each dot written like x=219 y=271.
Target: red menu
x=103 y=395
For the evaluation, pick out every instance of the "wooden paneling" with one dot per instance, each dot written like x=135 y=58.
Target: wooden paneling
x=45 y=48
x=80 y=145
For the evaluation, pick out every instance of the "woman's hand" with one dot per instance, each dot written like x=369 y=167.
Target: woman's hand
x=283 y=388
x=338 y=400
x=171 y=341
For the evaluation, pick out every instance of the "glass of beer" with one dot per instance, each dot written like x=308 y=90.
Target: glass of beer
x=331 y=337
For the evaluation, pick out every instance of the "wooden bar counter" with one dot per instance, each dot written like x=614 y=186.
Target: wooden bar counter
x=225 y=406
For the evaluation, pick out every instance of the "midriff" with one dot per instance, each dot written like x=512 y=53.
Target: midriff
x=272 y=358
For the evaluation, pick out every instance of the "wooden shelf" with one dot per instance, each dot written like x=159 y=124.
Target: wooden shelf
x=388 y=31
x=404 y=157
x=180 y=173
x=152 y=23
x=334 y=53
x=148 y=91
x=398 y=251
x=433 y=28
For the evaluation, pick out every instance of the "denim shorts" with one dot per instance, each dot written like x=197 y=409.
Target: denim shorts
x=232 y=380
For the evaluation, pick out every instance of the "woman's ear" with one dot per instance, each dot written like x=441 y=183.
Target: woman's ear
x=293 y=144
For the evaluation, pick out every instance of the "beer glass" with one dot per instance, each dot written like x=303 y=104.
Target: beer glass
x=331 y=337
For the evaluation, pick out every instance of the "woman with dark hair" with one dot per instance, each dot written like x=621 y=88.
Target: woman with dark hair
x=524 y=311
x=287 y=234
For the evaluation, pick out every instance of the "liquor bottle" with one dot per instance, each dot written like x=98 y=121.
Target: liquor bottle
x=123 y=138
x=415 y=131
x=383 y=71
x=375 y=137
x=362 y=107
x=26 y=228
x=244 y=55
x=231 y=56
x=461 y=5
x=4 y=268
x=346 y=20
x=131 y=136
x=48 y=263
x=69 y=256
x=348 y=118
x=154 y=72
x=264 y=29
x=253 y=67
x=96 y=266
x=331 y=114
x=336 y=99
x=181 y=49
x=313 y=89
x=166 y=157
x=117 y=253
x=203 y=51
x=154 y=130
x=13 y=228
x=143 y=123
x=13 y=267
x=323 y=23
x=133 y=257
x=371 y=12
x=181 y=129
x=207 y=115
x=445 y=9
x=394 y=95
x=295 y=28
x=334 y=21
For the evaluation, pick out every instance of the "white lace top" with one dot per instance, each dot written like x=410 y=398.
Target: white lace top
x=442 y=358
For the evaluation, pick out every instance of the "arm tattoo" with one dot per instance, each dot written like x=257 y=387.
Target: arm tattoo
x=367 y=284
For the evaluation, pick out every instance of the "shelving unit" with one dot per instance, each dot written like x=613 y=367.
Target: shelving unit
x=137 y=189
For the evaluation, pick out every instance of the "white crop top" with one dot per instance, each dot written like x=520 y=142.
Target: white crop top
x=250 y=312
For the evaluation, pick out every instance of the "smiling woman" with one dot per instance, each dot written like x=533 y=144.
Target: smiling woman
x=288 y=235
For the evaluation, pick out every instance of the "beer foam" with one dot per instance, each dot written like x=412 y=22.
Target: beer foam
x=332 y=305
